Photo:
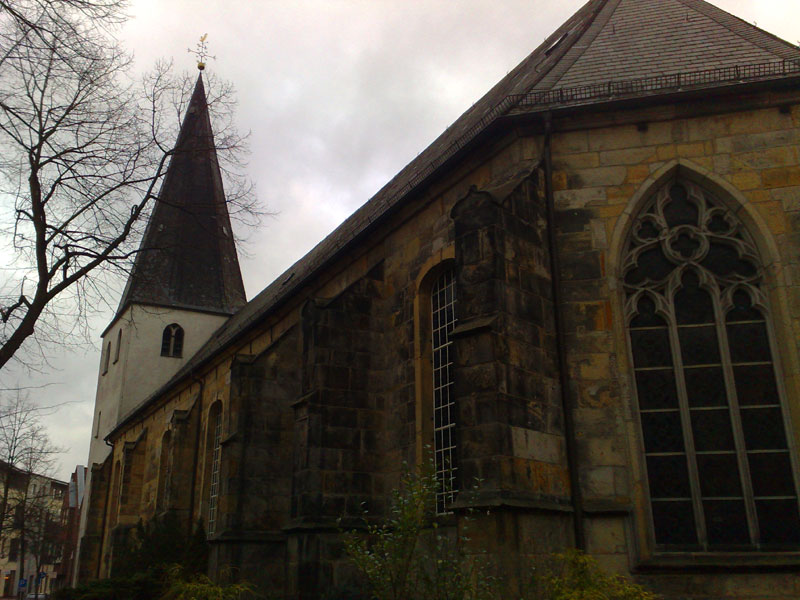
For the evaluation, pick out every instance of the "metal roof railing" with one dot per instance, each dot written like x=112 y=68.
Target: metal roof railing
x=660 y=83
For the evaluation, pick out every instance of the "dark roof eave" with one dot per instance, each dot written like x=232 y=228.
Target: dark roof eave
x=493 y=128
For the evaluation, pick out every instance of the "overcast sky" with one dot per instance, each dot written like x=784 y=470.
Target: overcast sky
x=338 y=95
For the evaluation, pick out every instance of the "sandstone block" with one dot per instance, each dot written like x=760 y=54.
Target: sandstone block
x=600 y=176
x=690 y=150
x=628 y=156
x=579 y=198
x=746 y=180
x=781 y=177
x=789 y=197
x=587 y=160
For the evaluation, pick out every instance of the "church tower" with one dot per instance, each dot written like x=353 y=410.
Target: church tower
x=185 y=281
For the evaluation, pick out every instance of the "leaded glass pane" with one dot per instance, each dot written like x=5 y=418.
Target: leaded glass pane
x=755 y=384
x=652 y=265
x=719 y=475
x=669 y=476
x=679 y=210
x=699 y=345
x=656 y=389
x=673 y=522
x=748 y=342
x=771 y=473
x=779 y=522
x=662 y=431
x=646 y=315
x=651 y=348
x=726 y=523
x=692 y=304
x=712 y=430
x=723 y=260
x=763 y=428
x=705 y=386
x=743 y=309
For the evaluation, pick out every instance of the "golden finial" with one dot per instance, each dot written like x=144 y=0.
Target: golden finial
x=201 y=52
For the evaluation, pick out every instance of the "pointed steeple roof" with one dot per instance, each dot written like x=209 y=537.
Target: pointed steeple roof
x=187 y=258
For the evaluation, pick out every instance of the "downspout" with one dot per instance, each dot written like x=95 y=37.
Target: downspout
x=196 y=458
x=555 y=270
x=105 y=512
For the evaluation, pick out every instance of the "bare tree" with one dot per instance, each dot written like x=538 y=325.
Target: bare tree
x=82 y=151
x=25 y=448
x=28 y=508
x=36 y=510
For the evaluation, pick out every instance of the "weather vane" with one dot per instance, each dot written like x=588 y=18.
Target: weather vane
x=201 y=52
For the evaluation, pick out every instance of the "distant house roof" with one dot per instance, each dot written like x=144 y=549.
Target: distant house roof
x=187 y=257
x=643 y=47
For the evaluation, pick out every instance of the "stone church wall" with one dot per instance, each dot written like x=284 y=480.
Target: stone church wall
x=325 y=400
x=749 y=158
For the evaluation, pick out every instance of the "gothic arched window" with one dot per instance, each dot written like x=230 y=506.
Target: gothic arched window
x=443 y=318
x=719 y=466
x=172 y=341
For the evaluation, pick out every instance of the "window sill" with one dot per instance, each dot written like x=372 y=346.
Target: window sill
x=721 y=561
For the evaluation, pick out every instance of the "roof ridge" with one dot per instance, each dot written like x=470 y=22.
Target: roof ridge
x=714 y=12
x=593 y=28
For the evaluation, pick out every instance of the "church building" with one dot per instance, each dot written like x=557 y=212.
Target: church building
x=584 y=296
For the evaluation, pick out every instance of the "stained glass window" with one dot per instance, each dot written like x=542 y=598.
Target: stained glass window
x=719 y=467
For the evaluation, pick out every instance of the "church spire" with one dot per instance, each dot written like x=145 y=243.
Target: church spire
x=187 y=258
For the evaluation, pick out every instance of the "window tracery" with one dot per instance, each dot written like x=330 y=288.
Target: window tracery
x=717 y=456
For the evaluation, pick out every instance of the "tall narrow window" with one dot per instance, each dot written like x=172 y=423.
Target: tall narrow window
x=119 y=345
x=718 y=462
x=443 y=303
x=165 y=471
x=107 y=358
x=172 y=341
x=215 y=428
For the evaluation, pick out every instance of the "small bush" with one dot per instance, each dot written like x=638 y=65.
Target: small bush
x=572 y=575
x=409 y=556
x=200 y=587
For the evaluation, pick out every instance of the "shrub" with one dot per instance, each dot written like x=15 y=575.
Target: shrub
x=409 y=556
x=572 y=575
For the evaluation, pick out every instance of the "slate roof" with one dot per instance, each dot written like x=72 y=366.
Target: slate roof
x=647 y=38
x=605 y=38
x=187 y=257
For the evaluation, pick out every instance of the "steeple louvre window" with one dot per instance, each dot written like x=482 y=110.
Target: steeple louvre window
x=443 y=305
x=720 y=468
x=172 y=341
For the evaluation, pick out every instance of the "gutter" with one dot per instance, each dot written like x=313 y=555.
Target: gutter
x=555 y=278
